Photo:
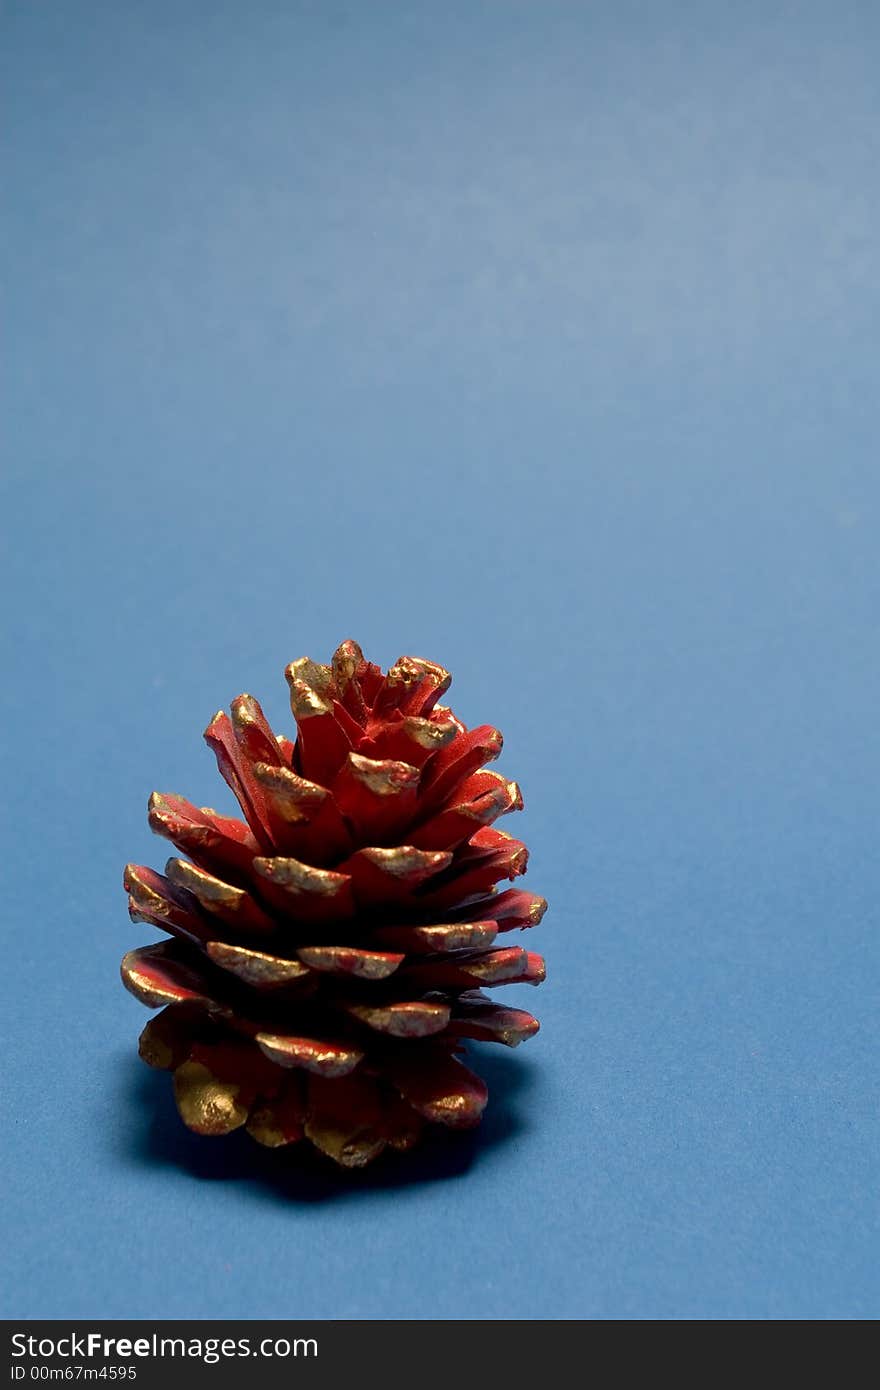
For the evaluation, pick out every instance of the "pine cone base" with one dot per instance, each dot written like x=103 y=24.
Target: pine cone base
x=327 y=953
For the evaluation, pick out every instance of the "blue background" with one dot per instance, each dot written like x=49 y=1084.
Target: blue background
x=539 y=339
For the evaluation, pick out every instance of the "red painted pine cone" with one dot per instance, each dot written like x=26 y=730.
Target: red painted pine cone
x=326 y=957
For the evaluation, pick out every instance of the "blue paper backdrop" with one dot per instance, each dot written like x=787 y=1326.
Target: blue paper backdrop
x=540 y=339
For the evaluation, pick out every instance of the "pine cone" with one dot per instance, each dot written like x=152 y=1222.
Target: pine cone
x=326 y=958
